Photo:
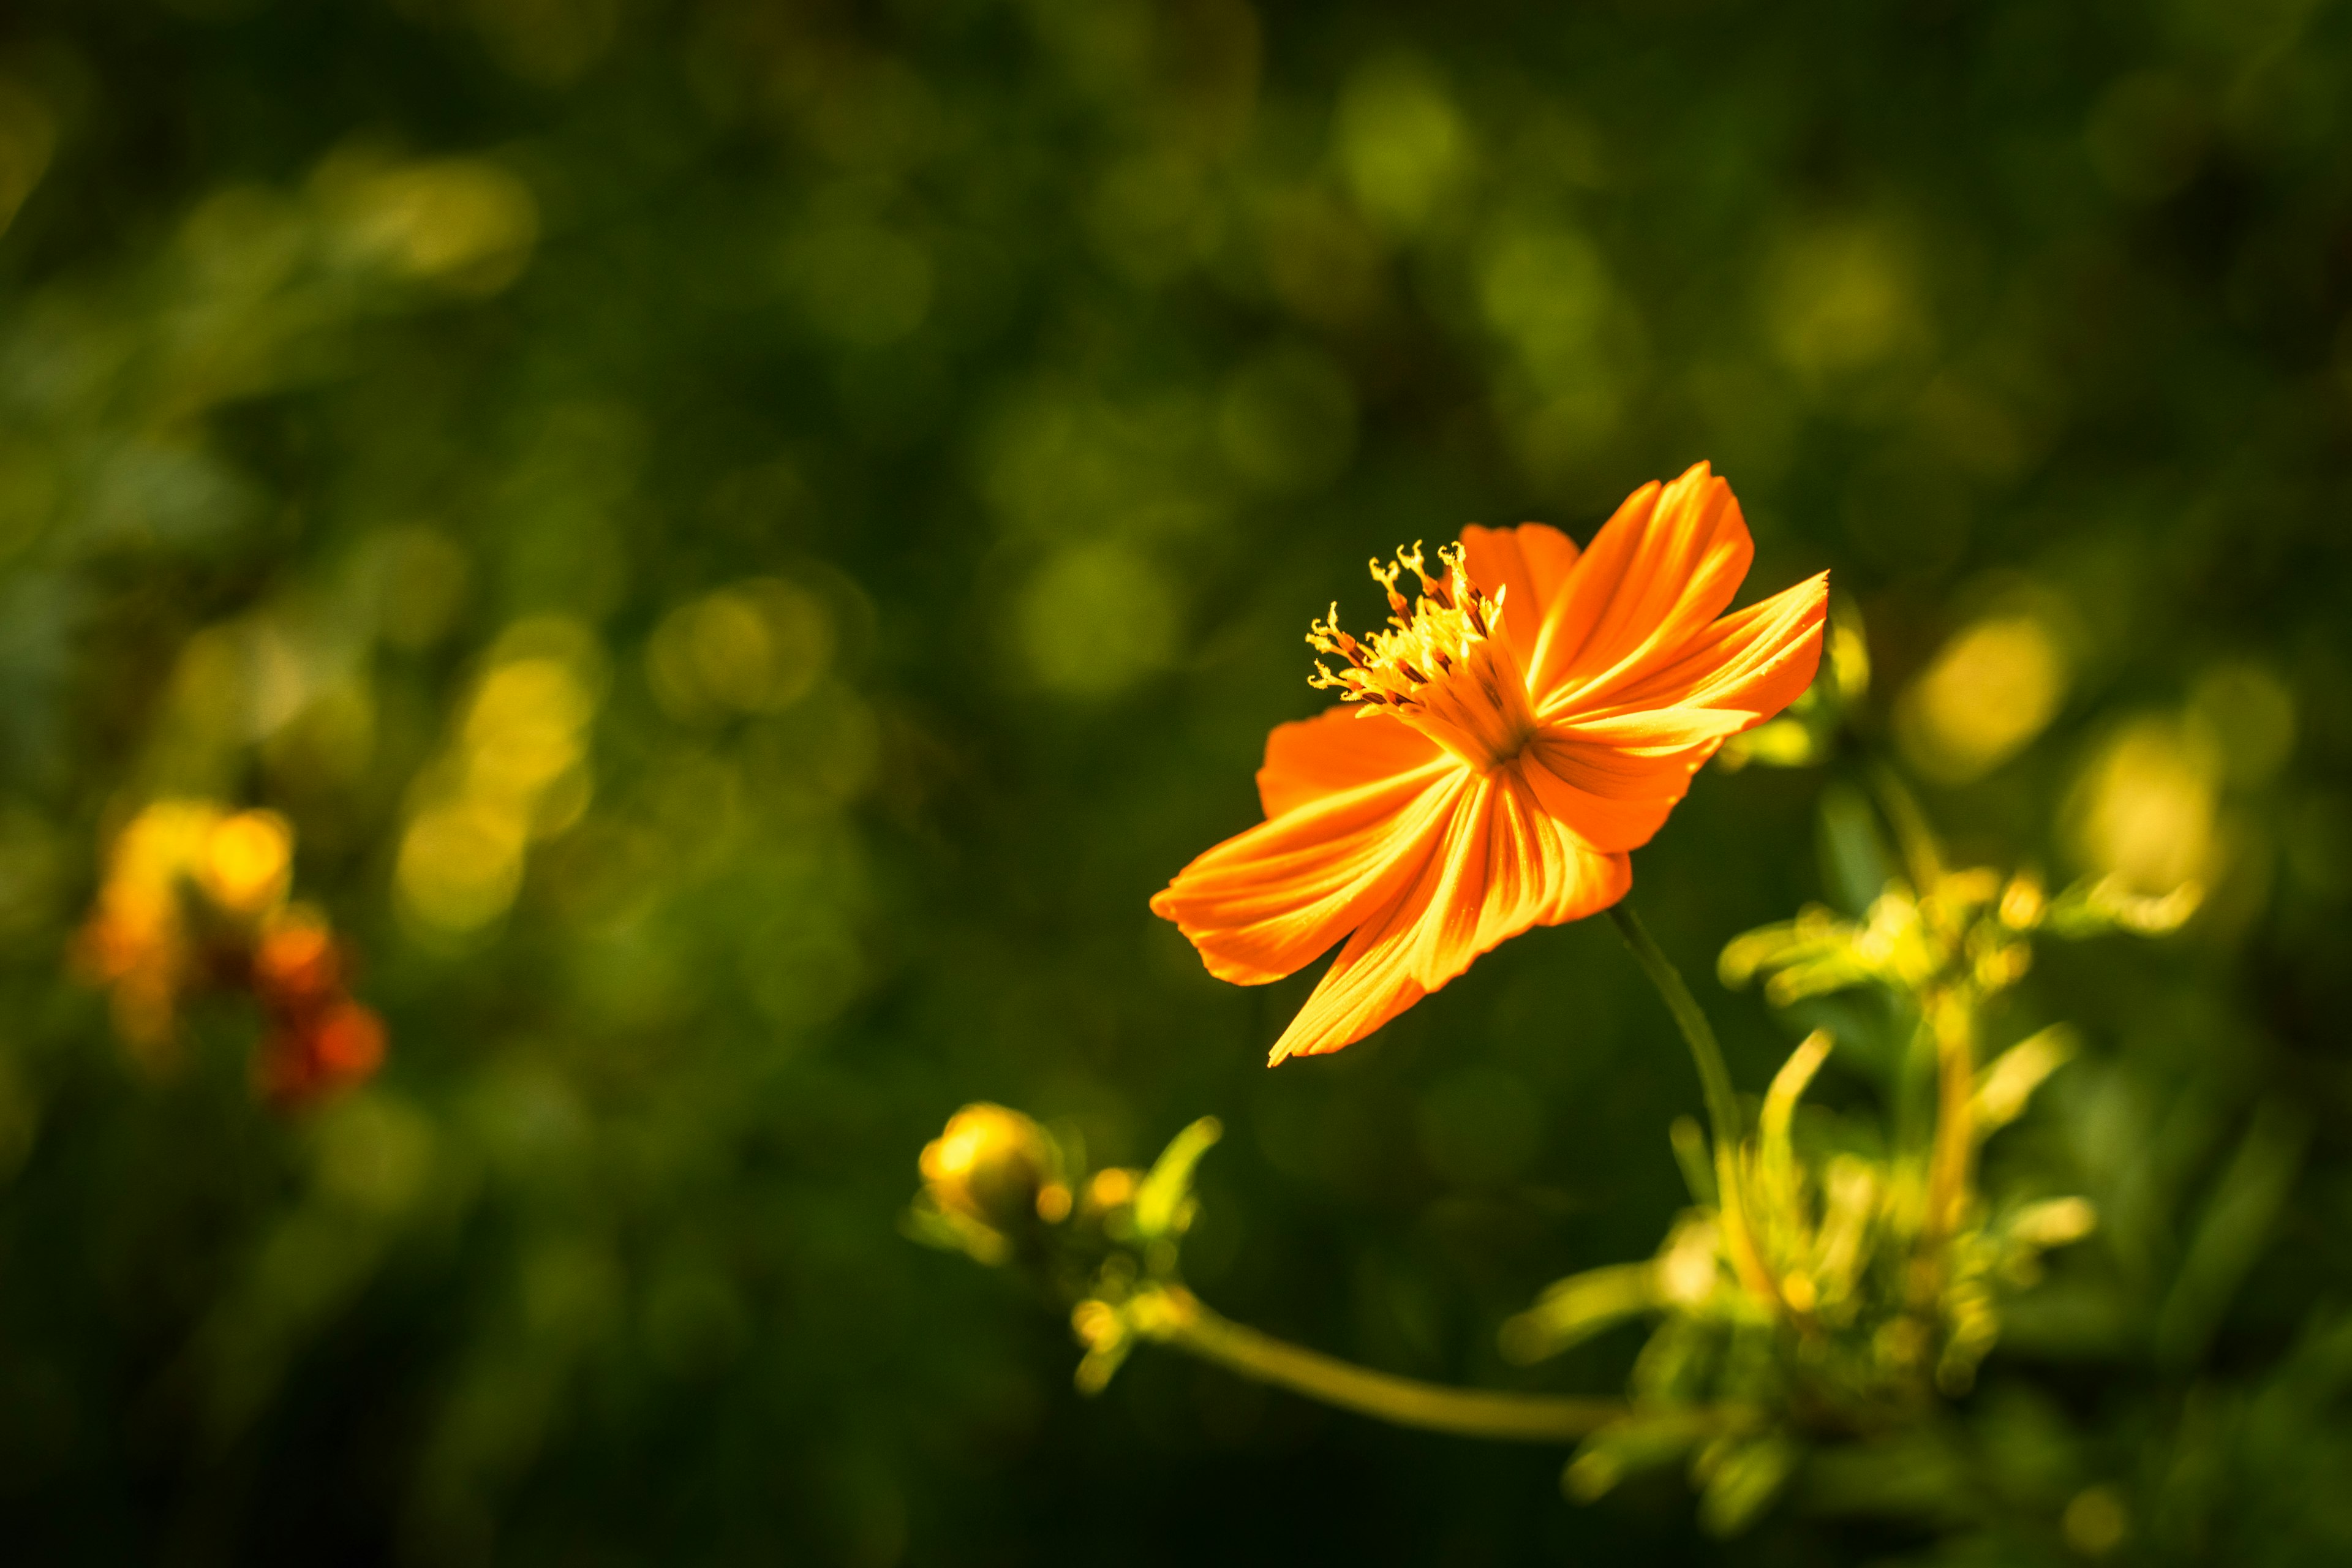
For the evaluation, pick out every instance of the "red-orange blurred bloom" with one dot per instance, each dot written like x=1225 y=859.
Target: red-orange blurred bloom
x=313 y=1051
x=196 y=900
x=1532 y=718
x=319 y=1039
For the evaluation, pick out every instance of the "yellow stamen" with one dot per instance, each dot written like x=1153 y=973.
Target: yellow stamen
x=1441 y=665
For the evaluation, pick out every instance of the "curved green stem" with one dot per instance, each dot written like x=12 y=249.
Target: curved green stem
x=1715 y=1079
x=1921 y=854
x=1722 y=1108
x=1185 y=1322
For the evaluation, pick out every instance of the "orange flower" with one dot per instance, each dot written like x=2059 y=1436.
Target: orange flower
x=195 y=899
x=312 y=1051
x=1532 y=718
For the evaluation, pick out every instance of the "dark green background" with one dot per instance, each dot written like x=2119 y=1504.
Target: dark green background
x=1078 y=352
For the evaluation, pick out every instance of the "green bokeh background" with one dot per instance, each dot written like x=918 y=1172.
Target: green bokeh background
x=1069 y=356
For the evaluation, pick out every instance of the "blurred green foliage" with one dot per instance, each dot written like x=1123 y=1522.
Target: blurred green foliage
x=747 y=538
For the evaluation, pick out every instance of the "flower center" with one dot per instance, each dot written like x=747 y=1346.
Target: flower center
x=1441 y=665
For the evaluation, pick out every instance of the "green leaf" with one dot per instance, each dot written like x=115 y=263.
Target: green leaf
x=2231 y=1232
x=1163 y=1203
x=1742 y=1480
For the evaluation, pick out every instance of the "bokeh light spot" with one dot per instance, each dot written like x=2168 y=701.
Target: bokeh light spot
x=1400 y=141
x=756 y=647
x=459 y=866
x=1096 y=619
x=2095 y=1522
x=1841 y=299
x=2144 y=809
x=376 y=1152
x=248 y=862
x=463 y=223
x=1985 y=696
x=1545 y=289
x=2250 y=714
x=516 y=770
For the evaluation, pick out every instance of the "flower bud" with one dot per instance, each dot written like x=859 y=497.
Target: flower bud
x=996 y=1167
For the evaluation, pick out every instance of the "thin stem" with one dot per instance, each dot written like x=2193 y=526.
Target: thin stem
x=1185 y=1322
x=1715 y=1079
x=1923 y=857
x=1722 y=1108
x=1956 y=1135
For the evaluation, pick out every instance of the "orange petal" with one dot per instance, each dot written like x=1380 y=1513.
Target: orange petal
x=1650 y=731
x=1505 y=866
x=1613 y=775
x=1340 y=748
x=1265 y=901
x=1446 y=938
x=1370 y=983
x=1374 y=979
x=1749 y=664
x=1611 y=797
x=1529 y=566
x=1655 y=574
x=1537 y=872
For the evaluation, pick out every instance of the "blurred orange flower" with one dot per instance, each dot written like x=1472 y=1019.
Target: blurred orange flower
x=175 y=857
x=1530 y=721
x=318 y=1038
x=195 y=899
